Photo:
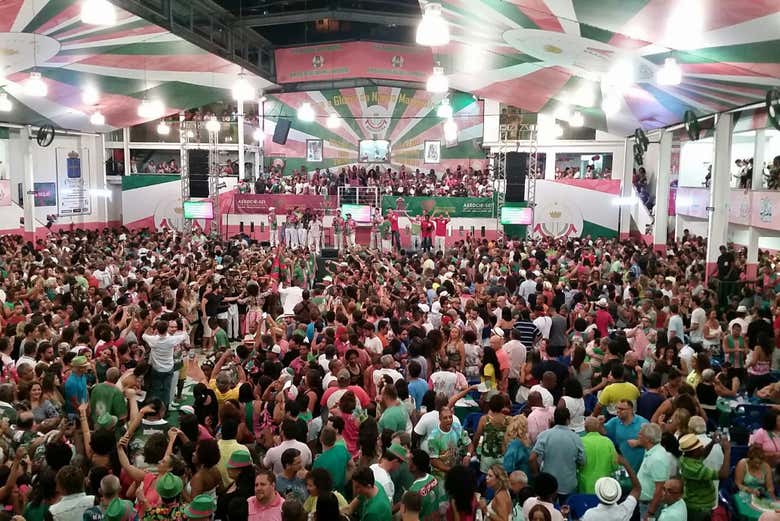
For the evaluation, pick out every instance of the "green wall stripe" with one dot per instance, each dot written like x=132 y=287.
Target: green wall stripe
x=131 y=182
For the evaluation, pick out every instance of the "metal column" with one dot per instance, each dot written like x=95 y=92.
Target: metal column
x=185 y=169
x=214 y=183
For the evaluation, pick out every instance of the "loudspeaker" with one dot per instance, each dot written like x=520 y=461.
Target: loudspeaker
x=330 y=253
x=198 y=163
x=252 y=227
x=199 y=187
x=241 y=227
x=281 y=131
x=198 y=171
x=516 y=173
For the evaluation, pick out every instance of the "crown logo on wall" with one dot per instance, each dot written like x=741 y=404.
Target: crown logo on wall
x=555 y=214
x=73 y=154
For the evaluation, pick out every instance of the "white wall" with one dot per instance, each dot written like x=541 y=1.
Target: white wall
x=695 y=156
x=45 y=170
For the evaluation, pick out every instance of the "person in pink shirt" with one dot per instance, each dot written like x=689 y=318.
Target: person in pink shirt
x=441 y=230
x=395 y=230
x=603 y=319
x=266 y=504
x=540 y=416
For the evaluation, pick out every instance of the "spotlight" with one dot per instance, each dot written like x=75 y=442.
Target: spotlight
x=213 y=125
x=445 y=109
x=670 y=73
x=163 y=129
x=5 y=103
x=433 y=30
x=98 y=12
x=306 y=112
x=333 y=122
x=242 y=89
x=97 y=119
x=35 y=86
x=437 y=82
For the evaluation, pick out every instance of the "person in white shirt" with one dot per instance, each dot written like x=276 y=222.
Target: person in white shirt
x=527 y=288
x=542 y=322
x=698 y=320
x=609 y=492
x=741 y=313
x=291 y=297
x=371 y=342
x=273 y=458
x=448 y=380
x=161 y=347
x=387 y=369
x=73 y=501
x=389 y=463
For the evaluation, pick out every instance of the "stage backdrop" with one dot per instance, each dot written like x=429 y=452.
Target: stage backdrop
x=405 y=117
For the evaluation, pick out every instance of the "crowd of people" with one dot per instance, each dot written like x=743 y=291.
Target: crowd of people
x=149 y=375
x=460 y=182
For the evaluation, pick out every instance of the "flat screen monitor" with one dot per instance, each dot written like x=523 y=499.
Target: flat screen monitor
x=515 y=215
x=198 y=210
x=360 y=212
x=374 y=151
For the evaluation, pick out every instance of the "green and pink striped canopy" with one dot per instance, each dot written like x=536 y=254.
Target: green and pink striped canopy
x=125 y=63
x=533 y=53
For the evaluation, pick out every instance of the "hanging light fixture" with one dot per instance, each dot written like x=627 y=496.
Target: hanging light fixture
x=333 y=121
x=577 y=119
x=98 y=12
x=258 y=135
x=163 y=129
x=213 y=125
x=437 y=82
x=585 y=96
x=90 y=95
x=450 y=130
x=433 y=30
x=35 y=86
x=445 y=109
x=242 y=89
x=306 y=112
x=5 y=103
x=670 y=73
x=621 y=75
x=151 y=109
x=611 y=104
x=97 y=119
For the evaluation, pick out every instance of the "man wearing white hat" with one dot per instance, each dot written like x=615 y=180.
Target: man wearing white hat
x=608 y=491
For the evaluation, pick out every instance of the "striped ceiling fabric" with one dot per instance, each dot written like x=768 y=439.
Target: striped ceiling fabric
x=529 y=51
x=127 y=62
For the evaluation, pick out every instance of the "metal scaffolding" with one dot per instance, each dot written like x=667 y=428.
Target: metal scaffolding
x=214 y=184
x=184 y=126
x=519 y=137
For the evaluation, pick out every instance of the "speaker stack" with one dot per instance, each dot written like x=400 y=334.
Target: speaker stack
x=198 y=161
x=516 y=174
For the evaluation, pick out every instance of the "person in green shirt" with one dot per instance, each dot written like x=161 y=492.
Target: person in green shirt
x=600 y=457
x=395 y=417
x=221 y=341
x=424 y=483
x=370 y=503
x=106 y=398
x=335 y=458
x=698 y=479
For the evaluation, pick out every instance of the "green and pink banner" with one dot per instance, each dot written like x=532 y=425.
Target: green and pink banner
x=346 y=60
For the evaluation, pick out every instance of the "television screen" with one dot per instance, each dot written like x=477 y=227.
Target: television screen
x=514 y=215
x=360 y=212
x=198 y=210
x=374 y=151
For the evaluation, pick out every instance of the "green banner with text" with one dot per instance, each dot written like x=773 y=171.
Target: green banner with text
x=483 y=207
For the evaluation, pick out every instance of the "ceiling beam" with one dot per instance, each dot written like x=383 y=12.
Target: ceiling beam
x=346 y=15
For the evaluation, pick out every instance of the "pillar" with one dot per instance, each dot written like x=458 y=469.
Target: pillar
x=662 y=177
x=240 y=140
x=717 y=229
x=751 y=270
x=29 y=187
x=126 y=150
x=626 y=189
x=759 y=152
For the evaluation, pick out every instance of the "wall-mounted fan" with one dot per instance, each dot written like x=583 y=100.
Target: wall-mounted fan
x=692 y=127
x=773 y=106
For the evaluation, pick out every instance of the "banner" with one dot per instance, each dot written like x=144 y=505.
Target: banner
x=455 y=206
x=73 y=182
x=340 y=61
x=260 y=203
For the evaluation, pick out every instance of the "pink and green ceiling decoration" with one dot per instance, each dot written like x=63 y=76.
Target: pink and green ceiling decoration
x=405 y=117
x=125 y=63
x=533 y=53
